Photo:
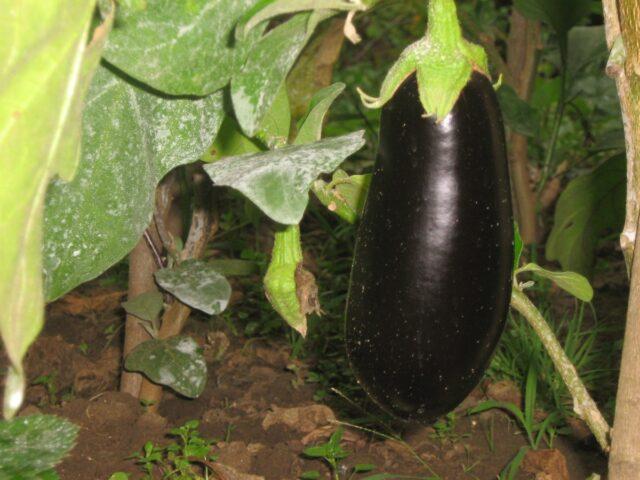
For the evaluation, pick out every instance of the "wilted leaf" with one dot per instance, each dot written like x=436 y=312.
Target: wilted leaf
x=310 y=129
x=572 y=282
x=344 y=195
x=255 y=87
x=590 y=205
x=46 y=67
x=31 y=446
x=198 y=284
x=266 y=10
x=175 y=362
x=132 y=138
x=180 y=48
x=278 y=181
x=146 y=306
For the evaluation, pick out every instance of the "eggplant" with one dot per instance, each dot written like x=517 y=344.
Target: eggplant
x=431 y=277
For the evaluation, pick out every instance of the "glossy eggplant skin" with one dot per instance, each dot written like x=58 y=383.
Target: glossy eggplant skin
x=431 y=277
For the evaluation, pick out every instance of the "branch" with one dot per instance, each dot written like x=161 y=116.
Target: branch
x=583 y=405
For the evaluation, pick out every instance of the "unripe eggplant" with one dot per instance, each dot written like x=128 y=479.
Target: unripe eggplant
x=431 y=277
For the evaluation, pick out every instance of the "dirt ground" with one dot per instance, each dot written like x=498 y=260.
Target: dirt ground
x=257 y=404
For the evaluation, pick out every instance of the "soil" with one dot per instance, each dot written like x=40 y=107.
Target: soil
x=258 y=407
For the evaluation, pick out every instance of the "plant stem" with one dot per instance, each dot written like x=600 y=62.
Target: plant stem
x=583 y=405
x=547 y=166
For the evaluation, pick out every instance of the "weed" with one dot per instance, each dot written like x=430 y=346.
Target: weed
x=535 y=431
x=332 y=453
x=444 y=429
x=188 y=458
x=50 y=385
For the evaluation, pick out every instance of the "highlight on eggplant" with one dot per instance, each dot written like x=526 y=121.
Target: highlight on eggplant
x=431 y=278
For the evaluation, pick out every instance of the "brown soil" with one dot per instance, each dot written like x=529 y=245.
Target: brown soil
x=256 y=404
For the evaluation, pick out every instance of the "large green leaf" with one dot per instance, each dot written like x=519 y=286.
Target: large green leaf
x=518 y=114
x=45 y=69
x=278 y=181
x=255 y=88
x=132 y=138
x=198 y=284
x=31 y=446
x=590 y=205
x=180 y=46
x=175 y=362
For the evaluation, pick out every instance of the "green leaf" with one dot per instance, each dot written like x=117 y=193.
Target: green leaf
x=310 y=129
x=510 y=471
x=180 y=48
x=318 y=451
x=344 y=195
x=31 y=446
x=518 y=114
x=146 y=306
x=560 y=15
x=47 y=65
x=232 y=267
x=587 y=45
x=255 y=87
x=363 y=467
x=230 y=142
x=278 y=181
x=518 y=246
x=175 y=362
x=132 y=138
x=310 y=475
x=120 y=476
x=590 y=205
x=572 y=282
x=198 y=284
x=277 y=122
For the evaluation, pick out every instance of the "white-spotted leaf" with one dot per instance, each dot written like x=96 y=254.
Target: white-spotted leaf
x=255 y=87
x=31 y=446
x=175 y=362
x=198 y=284
x=278 y=181
x=181 y=48
x=571 y=282
x=131 y=139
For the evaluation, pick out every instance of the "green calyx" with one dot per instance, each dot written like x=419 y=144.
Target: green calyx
x=290 y=288
x=443 y=61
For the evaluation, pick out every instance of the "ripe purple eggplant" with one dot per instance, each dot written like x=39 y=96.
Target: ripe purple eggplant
x=431 y=278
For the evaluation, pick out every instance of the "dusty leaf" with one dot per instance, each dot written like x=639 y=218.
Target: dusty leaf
x=278 y=181
x=31 y=446
x=180 y=48
x=198 y=284
x=131 y=139
x=175 y=362
x=255 y=87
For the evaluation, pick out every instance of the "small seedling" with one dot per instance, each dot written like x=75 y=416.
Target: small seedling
x=84 y=348
x=179 y=460
x=444 y=429
x=49 y=383
x=331 y=452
